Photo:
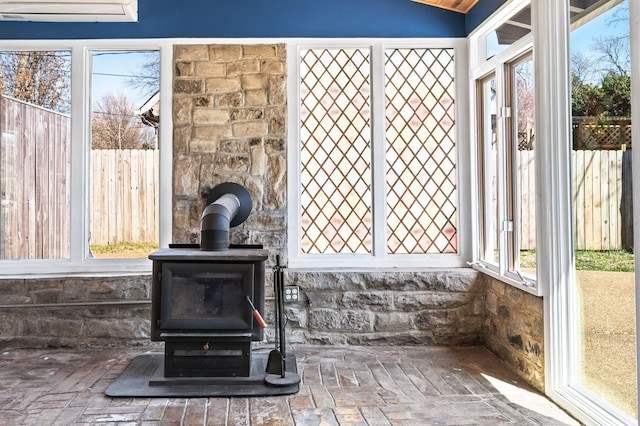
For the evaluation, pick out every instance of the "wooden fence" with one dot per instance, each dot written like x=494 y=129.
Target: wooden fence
x=35 y=187
x=598 y=200
x=34 y=182
x=124 y=196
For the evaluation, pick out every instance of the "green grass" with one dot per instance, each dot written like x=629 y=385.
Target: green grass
x=613 y=261
x=124 y=249
x=589 y=260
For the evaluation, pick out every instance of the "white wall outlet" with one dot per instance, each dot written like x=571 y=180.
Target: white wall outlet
x=291 y=293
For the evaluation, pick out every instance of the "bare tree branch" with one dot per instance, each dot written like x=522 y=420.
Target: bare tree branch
x=114 y=125
x=147 y=78
x=38 y=77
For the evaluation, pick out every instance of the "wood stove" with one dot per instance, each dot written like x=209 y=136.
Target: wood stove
x=206 y=301
x=200 y=308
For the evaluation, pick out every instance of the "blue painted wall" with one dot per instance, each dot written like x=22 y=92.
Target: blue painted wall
x=259 y=18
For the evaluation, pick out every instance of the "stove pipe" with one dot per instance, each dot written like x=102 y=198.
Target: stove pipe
x=229 y=205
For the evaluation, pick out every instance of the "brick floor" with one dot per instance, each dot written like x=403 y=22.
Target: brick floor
x=340 y=386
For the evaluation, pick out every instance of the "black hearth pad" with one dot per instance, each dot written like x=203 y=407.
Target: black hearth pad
x=144 y=377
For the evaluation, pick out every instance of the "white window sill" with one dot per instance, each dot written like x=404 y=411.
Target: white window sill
x=529 y=286
x=30 y=269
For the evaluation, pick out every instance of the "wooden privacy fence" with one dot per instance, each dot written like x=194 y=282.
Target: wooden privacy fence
x=124 y=196
x=35 y=187
x=599 y=198
x=34 y=182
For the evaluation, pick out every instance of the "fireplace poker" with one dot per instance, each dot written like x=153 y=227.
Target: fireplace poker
x=257 y=315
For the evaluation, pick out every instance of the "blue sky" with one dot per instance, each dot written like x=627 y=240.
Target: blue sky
x=582 y=37
x=110 y=71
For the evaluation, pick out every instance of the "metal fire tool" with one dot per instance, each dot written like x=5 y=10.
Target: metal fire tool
x=277 y=374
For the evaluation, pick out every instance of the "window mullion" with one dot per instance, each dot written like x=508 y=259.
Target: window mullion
x=79 y=185
x=510 y=164
x=378 y=150
x=502 y=130
x=166 y=152
x=293 y=155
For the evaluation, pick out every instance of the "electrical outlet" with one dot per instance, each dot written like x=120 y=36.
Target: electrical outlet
x=291 y=293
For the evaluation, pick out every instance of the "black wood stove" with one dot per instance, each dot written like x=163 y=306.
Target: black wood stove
x=206 y=301
x=201 y=307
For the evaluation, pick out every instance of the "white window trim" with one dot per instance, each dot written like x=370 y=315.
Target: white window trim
x=78 y=263
x=379 y=258
x=480 y=68
x=556 y=271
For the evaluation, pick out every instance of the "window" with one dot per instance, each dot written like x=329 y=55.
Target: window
x=507 y=142
x=124 y=154
x=35 y=154
x=505 y=137
x=57 y=192
x=377 y=156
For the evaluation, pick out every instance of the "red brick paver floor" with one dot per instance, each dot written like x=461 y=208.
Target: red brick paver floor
x=379 y=385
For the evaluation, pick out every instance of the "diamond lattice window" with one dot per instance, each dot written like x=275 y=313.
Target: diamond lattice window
x=421 y=173
x=335 y=153
x=418 y=206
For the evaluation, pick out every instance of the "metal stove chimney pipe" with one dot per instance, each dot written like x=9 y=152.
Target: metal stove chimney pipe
x=228 y=205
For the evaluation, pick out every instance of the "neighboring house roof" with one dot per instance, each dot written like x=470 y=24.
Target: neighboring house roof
x=149 y=112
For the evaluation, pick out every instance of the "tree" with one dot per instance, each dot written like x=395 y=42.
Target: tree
x=582 y=68
x=37 y=77
x=147 y=78
x=525 y=104
x=586 y=99
x=616 y=95
x=601 y=86
x=600 y=83
x=114 y=125
x=614 y=54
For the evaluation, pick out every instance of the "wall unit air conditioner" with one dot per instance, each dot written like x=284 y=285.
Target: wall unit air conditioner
x=69 y=10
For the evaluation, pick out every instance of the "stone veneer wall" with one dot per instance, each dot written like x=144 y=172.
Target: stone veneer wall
x=397 y=308
x=514 y=329
x=229 y=120
x=75 y=311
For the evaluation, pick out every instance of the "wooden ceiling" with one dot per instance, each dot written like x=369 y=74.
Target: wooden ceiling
x=462 y=6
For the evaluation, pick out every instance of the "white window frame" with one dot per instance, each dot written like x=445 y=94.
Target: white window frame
x=480 y=68
x=554 y=222
x=378 y=258
x=79 y=261
x=557 y=272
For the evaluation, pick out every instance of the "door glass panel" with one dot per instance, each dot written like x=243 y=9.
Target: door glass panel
x=602 y=209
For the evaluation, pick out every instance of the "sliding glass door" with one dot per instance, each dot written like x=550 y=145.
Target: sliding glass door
x=602 y=208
